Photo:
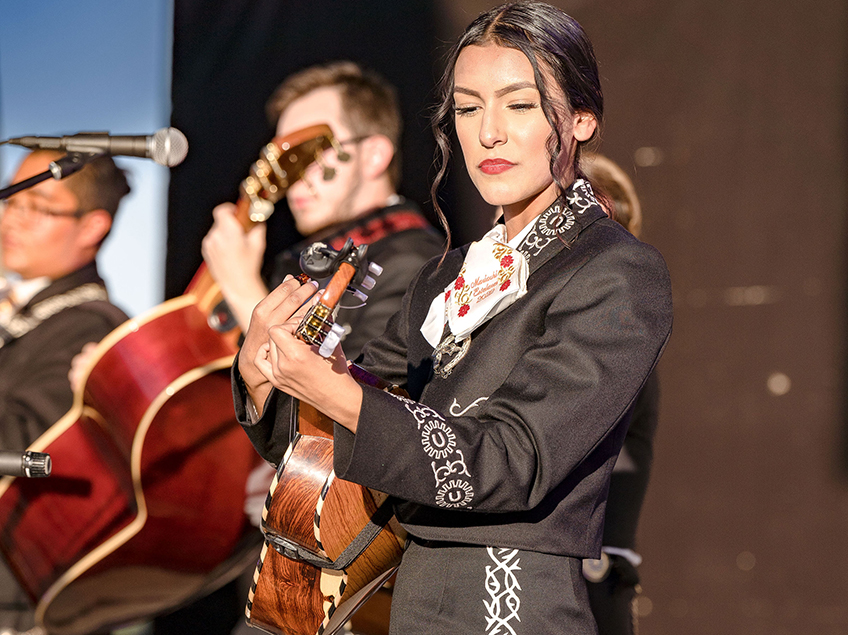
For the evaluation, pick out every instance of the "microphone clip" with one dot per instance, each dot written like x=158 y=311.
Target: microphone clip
x=73 y=162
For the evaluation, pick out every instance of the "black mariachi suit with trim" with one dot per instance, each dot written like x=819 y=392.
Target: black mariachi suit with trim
x=35 y=393
x=515 y=447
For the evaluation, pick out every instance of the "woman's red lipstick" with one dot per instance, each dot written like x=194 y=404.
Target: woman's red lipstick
x=495 y=166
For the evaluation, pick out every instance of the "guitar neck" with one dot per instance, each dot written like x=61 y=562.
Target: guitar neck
x=203 y=286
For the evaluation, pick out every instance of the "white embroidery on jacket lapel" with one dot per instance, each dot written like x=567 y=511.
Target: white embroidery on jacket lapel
x=457 y=411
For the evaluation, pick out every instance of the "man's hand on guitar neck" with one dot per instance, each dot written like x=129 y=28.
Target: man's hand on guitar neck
x=234 y=258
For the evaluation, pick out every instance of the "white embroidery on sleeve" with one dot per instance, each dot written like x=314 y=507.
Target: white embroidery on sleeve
x=438 y=441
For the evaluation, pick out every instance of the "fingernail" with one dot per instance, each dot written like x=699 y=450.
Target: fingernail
x=314 y=283
x=288 y=277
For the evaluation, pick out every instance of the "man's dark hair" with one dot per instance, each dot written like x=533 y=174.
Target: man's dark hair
x=99 y=185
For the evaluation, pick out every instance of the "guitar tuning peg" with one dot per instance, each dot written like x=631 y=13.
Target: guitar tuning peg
x=368 y=283
x=341 y=155
x=374 y=268
x=308 y=185
x=334 y=336
x=329 y=173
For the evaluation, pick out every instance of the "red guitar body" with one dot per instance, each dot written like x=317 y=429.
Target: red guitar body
x=144 y=509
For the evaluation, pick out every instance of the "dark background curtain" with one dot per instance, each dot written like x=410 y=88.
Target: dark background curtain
x=230 y=55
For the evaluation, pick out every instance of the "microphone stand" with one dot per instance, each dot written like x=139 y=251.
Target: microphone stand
x=59 y=169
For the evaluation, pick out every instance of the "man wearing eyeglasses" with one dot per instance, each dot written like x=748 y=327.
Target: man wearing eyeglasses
x=55 y=301
x=52 y=302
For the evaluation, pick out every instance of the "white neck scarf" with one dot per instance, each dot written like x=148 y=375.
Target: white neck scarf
x=493 y=276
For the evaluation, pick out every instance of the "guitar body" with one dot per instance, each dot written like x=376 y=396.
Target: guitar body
x=144 y=508
x=311 y=508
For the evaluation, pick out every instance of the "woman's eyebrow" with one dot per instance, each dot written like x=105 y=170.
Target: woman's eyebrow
x=500 y=92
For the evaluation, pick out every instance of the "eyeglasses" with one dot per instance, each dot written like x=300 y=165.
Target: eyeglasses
x=328 y=160
x=359 y=139
x=32 y=213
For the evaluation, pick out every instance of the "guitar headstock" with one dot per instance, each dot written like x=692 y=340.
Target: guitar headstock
x=282 y=162
x=350 y=269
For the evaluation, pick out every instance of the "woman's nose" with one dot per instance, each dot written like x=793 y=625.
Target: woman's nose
x=492 y=130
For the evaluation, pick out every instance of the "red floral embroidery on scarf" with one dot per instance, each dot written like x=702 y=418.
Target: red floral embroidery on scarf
x=505 y=285
x=460 y=282
x=447 y=295
x=506 y=261
x=463 y=310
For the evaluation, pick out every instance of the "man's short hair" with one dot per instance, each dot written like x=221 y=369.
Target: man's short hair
x=369 y=102
x=100 y=184
x=607 y=176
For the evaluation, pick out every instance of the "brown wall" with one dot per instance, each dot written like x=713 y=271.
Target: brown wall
x=731 y=117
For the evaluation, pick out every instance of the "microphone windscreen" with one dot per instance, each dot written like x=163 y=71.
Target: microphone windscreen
x=168 y=147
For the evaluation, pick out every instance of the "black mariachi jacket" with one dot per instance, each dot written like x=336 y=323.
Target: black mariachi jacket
x=34 y=388
x=515 y=447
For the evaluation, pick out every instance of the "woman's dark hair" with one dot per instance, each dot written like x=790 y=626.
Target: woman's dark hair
x=557 y=47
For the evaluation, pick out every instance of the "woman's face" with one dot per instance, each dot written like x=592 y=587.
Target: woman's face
x=501 y=128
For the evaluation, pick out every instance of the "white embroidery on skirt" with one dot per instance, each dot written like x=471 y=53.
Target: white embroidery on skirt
x=502 y=587
x=439 y=442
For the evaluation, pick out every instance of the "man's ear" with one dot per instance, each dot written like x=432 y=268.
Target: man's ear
x=584 y=126
x=95 y=226
x=377 y=154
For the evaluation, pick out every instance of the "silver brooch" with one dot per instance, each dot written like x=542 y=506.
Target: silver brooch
x=449 y=347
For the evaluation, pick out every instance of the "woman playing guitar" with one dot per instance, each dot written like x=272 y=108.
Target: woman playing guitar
x=521 y=353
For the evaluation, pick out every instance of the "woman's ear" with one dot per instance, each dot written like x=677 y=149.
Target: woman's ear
x=584 y=125
x=379 y=151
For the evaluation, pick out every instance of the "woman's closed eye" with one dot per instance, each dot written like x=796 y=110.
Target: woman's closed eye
x=463 y=111
x=524 y=106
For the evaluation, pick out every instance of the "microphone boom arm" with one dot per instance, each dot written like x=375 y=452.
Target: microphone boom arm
x=59 y=169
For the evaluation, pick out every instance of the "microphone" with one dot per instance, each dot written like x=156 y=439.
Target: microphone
x=167 y=146
x=29 y=464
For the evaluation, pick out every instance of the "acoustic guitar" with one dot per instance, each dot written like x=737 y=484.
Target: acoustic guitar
x=144 y=509
x=329 y=543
